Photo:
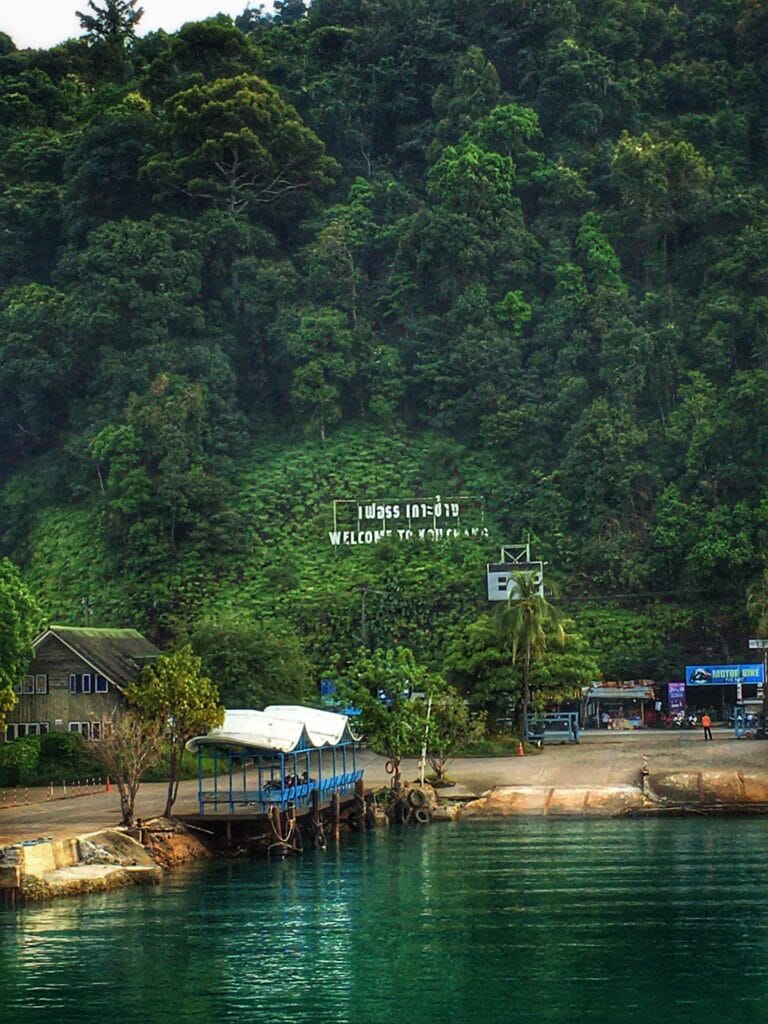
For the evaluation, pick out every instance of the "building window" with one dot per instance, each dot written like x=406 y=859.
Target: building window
x=95 y=730
x=72 y=689
x=87 y=682
x=17 y=687
x=84 y=728
x=41 y=684
x=29 y=684
x=17 y=730
x=101 y=684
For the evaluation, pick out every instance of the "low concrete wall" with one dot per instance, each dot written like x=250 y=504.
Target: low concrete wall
x=723 y=791
x=89 y=863
x=708 y=789
x=562 y=801
x=40 y=858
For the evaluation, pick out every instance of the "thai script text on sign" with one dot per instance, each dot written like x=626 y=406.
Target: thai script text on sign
x=370 y=522
x=409 y=510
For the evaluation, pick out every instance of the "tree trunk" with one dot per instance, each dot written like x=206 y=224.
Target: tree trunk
x=526 y=688
x=127 y=801
x=172 y=781
x=396 y=774
x=439 y=763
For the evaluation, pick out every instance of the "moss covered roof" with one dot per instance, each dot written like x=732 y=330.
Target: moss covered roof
x=118 y=654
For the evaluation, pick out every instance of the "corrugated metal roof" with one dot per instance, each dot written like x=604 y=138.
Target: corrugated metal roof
x=620 y=693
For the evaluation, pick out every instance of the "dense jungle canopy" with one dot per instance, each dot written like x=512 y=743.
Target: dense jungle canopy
x=390 y=249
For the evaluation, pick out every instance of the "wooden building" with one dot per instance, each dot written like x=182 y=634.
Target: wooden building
x=77 y=680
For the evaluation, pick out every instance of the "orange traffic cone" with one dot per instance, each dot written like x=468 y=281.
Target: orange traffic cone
x=108 y=787
x=520 y=749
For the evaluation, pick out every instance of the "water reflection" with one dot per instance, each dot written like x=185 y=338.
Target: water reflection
x=545 y=921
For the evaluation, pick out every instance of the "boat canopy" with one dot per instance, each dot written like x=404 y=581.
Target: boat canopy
x=278 y=729
x=324 y=728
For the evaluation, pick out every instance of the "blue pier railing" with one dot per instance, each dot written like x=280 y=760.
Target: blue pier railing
x=253 y=781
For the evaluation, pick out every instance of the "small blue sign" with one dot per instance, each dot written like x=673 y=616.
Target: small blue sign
x=330 y=701
x=723 y=675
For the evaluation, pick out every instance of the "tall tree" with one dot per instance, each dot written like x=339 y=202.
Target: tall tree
x=530 y=623
x=254 y=663
x=381 y=685
x=19 y=621
x=173 y=693
x=113 y=22
x=236 y=143
x=448 y=725
x=757 y=603
x=127 y=749
x=322 y=348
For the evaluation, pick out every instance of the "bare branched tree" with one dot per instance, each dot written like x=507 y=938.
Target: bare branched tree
x=127 y=749
x=114 y=22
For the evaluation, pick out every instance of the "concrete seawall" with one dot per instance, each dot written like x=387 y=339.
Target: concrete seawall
x=694 y=792
x=45 y=868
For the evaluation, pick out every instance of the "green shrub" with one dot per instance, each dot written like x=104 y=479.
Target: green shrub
x=65 y=757
x=40 y=760
x=19 y=760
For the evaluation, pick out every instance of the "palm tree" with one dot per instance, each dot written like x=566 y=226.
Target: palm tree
x=529 y=622
x=757 y=603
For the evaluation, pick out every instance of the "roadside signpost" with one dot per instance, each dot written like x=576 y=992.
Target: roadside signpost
x=761 y=644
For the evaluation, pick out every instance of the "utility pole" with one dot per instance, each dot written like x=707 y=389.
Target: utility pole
x=426 y=741
x=762 y=645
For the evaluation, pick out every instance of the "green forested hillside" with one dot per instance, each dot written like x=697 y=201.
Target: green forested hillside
x=390 y=248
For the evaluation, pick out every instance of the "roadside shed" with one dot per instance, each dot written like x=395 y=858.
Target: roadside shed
x=619 y=706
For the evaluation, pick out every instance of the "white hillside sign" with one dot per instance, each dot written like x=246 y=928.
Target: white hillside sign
x=417 y=519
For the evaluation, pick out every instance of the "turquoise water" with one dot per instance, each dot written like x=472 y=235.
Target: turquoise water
x=618 y=921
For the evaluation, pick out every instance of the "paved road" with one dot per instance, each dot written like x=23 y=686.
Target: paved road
x=603 y=758
x=611 y=759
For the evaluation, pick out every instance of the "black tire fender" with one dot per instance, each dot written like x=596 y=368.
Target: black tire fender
x=422 y=816
x=402 y=812
x=417 y=798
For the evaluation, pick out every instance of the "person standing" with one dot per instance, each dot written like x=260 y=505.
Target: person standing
x=706 y=721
